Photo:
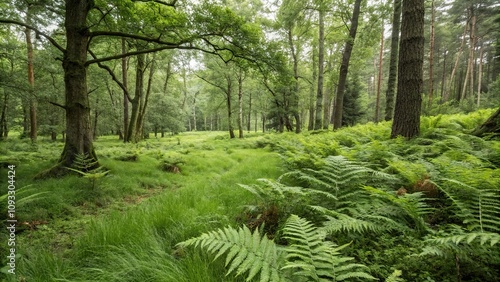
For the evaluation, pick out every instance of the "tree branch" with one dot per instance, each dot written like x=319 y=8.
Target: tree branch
x=58 y=105
x=37 y=31
x=172 y=4
x=113 y=76
x=213 y=84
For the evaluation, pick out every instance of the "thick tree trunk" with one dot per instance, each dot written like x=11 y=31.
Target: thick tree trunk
x=136 y=101
x=344 y=67
x=79 y=139
x=393 y=68
x=410 y=72
x=318 y=121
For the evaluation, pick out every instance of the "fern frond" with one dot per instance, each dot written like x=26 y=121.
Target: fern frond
x=412 y=204
x=478 y=208
x=313 y=257
x=246 y=252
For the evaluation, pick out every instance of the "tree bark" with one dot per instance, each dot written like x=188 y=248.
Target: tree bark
x=240 y=103
x=410 y=72
x=480 y=75
x=229 y=108
x=125 y=94
x=78 y=128
x=318 y=121
x=393 y=68
x=136 y=101
x=31 y=79
x=431 y=56
x=379 y=76
x=344 y=67
x=294 y=97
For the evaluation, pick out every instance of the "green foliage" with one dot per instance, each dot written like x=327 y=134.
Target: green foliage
x=313 y=257
x=307 y=255
x=89 y=168
x=246 y=252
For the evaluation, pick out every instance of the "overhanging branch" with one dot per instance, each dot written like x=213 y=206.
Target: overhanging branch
x=37 y=31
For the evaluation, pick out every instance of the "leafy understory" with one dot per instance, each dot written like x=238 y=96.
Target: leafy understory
x=308 y=256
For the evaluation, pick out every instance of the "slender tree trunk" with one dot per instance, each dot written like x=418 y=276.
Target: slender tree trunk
x=379 y=81
x=229 y=108
x=455 y=67
x=318 y=121
x=294 y=103
x=469 y=73
x=443 y=77
x=312 y=96
x=144 y=103
x=431 y=56
x=344 y=67
x=480 y=75
x=410 y=72
x=249 y=121
x=3 y=117
x=240 y=103
x=31 y=79
x=125 y=96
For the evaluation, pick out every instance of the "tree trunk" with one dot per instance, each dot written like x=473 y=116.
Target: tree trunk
x=294 y=97
x=379 y=81
x=312 y=96
x=3 y=117
x=318 y=121
x=431 y=56
x=240 y=103
x=125 y=94
x=136 y=101
x=469 y=74
x=491 y=127
x=79 y=139
x=455 y=67
x=344 y=67
x=229 y=108
x=144 y=103
x=31 y=79
x=443 y=77
x=393 y=68
x=480 y=75
x=410 y=72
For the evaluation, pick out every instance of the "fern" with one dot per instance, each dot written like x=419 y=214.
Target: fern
x=246 y=252
x=313 y=257
x=412 y=204
x=308 y=254
x=89 y=168
x=478 y=208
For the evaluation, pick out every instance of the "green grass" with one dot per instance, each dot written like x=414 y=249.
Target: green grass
x=126 y=228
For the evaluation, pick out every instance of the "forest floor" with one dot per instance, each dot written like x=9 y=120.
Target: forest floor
x=126 y=225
